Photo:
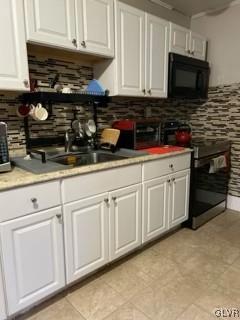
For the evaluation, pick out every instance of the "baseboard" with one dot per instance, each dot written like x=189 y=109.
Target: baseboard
x=233 y=203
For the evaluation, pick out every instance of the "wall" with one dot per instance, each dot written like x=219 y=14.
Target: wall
x=162 y=12
x=222 y=29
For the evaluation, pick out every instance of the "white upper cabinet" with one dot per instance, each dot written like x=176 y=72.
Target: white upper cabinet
x=13 y=53
x=157 y=47
x=51 y=22
x=187 y=43
x=130 y=50
x=95 y=26
x=198 y=46
x=2 y=300
x=33 y=258
x=179 y=39
x=125 y=221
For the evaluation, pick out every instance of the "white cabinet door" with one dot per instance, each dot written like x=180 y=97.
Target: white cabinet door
x=157 y=47
x=51 y=22
x=179 y=39
x=130 y=50
x=13 y=52
x=95 y=26
x=179 y=200
x=155 y=207
x=2 y=300
x=125 y=221
x=198 y=46
x=33 y=259
x=86 y=236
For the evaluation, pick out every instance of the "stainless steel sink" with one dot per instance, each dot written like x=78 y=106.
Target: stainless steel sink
x=82 y=159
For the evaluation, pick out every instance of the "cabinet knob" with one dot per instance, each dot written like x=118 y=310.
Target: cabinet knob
x=169 y=181
x=114 y=199
x=173 y=179
x=150 y=92
x=34 y=200
x=83 y=44
x=193 y=53
x=74 y=42
x=171 y=166
x=59 y=217
x=144 y=91
x=106 y=201
x=26 y=83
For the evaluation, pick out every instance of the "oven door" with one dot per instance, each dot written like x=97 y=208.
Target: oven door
x=208 y=190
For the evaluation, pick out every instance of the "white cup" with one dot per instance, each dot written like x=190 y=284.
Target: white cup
x=40 y=113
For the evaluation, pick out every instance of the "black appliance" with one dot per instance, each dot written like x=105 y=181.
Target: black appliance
x=169 y=129
x=208 y=191
x=139 y=133
x=188 y=77
x=5 y=164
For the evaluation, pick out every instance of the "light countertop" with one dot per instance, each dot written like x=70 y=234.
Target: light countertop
x=19 y=177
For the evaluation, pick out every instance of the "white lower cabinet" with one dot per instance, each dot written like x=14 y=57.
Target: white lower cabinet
x=165 y=203
x=155 y=207
x=3 y=315
x=125 y=221
x=179 y=198
x=33 y=258
x=86 y=225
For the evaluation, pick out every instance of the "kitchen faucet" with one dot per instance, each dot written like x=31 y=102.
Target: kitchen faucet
x=69 y=138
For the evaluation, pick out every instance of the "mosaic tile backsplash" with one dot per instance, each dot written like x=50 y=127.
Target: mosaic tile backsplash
x=218 y=118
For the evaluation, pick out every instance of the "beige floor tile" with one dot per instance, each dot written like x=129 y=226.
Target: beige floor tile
x=195 y=313
x=127 y=312
x=230 y=279
x=226 y=219
x=60 y=310
x=96 y=300
x=167 y=302
x=232 y=234
x=214 y=298
x=127 y=280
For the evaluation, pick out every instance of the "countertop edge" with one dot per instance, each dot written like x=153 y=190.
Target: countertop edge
x=20 y=178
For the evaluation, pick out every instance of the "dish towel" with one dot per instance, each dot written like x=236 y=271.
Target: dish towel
x=218 y=163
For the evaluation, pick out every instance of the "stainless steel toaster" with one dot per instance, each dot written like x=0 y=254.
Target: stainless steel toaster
x=5 y=164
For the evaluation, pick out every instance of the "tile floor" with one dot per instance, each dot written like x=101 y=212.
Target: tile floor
x=185 y=276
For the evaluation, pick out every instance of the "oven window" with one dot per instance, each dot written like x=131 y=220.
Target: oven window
x=186 y=79
x=209 y=189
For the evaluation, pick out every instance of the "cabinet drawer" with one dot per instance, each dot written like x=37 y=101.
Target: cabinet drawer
x=22 y=201
x=86 y=185
x=158 y=168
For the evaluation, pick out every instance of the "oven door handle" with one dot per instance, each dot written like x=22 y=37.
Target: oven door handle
x=204 y=161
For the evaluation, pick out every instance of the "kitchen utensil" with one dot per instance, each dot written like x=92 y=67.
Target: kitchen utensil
x=40 y=113
x=23 y=110
x=90 y=128
x=183 y=135
x=78 y=128
x=110 y=137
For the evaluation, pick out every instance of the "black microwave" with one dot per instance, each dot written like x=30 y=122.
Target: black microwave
x=188 y=77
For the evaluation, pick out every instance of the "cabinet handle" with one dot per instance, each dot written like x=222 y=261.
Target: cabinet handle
x=193 y=53
x=74 y=42
x=150 y=92
x=114 y=199
x=173 y=179
x=171 y=166
x=26 y=83
x=34 y=200
x=144 y=91
x=169 y=181
x=83 y=44
x=189 y=51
